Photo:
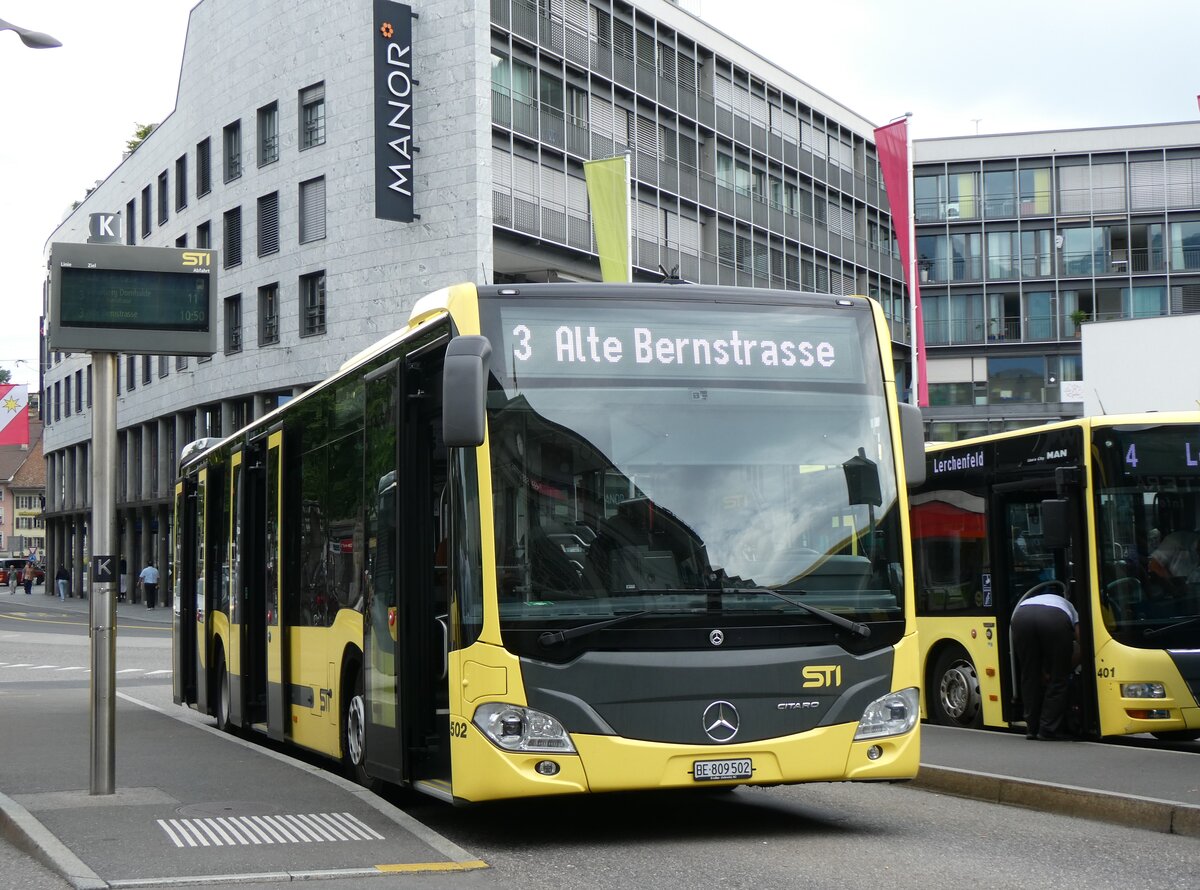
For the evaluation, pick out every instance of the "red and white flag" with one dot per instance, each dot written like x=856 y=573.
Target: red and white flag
x=14 y=414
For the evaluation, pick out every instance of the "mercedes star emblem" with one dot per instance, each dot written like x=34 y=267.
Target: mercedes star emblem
x=716 y=637
x=720 y=720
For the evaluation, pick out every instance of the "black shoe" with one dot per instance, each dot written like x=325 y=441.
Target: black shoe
x=1054 y=737
x=1032 y=736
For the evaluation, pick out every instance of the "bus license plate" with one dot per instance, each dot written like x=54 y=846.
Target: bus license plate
x=715 y=770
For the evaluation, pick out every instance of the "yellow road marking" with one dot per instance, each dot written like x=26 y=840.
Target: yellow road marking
x=433 y=866
x=84 y=622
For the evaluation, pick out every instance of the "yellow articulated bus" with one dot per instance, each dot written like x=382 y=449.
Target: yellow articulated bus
x=551 y=539
x=1106 y=508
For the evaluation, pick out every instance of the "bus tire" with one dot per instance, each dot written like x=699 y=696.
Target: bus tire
x=954 y=697
x=223 y=695
x=354 y=724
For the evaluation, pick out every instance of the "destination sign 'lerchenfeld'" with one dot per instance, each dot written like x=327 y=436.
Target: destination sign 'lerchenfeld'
x=394 y=146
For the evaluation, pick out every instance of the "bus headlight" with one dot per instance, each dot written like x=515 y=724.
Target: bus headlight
x=894 y=714
x=514 y=728
x=1143 y=690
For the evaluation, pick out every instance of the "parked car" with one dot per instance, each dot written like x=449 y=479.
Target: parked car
x=9 y=567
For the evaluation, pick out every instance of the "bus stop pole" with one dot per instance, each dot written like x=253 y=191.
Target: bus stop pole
x=104 y=570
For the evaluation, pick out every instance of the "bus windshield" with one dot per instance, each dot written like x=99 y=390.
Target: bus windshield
x=1148 y=513
x=688 y=460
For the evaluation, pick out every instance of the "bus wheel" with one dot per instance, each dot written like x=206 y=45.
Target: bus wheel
x=955 y=698
x=224 y=696
x=354 y=724
x=1179 y=735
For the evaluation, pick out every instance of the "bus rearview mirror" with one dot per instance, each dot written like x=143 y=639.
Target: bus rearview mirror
x=912 y=440
x=464 y=391
x=1056 y=524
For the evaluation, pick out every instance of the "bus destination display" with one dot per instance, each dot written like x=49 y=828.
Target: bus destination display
x=761 y=346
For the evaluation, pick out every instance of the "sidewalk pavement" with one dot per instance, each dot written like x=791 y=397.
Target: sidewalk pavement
x=46 y=596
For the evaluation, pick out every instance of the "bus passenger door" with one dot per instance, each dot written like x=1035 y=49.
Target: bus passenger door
x=423 y=594
x=252 y=573
x=236 y=605
x=200 y=600
x=386 y=757
x=183 y=618
x=274 y=623
x=1021 y=561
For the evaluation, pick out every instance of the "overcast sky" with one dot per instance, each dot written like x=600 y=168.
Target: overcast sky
x=957 y=66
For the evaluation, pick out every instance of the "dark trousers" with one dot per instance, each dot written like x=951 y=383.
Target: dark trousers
x=151 y=595
x=1043 y=640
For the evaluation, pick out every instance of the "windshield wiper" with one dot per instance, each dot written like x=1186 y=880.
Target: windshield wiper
x=555 y=637
x=853 y=626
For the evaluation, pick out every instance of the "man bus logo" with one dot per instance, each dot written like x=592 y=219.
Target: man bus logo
x=197 y=258
x=818 y=675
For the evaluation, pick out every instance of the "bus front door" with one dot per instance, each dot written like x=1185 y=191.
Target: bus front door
x=272 y=602
x=1021 y=560
x=385 y=756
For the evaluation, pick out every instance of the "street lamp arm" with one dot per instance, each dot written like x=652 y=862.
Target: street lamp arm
x=32 y=39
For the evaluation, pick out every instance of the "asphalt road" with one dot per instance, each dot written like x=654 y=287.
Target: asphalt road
x=819 y=836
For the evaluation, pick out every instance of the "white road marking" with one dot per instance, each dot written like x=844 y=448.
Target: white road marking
x=233 y=831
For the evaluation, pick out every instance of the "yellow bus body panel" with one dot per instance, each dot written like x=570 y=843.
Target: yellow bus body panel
x=315 y=665
x=1117 y=664
x=971 y=632
x=482 y=771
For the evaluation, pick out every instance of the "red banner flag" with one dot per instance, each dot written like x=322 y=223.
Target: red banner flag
x=14 y=414
x=891 y=142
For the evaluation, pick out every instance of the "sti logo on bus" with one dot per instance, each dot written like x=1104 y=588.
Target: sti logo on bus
x=820 y=675
x=197 y=258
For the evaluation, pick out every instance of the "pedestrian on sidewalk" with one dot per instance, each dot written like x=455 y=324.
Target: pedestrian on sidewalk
x=62 y=579
x=29 y=576
x=123 y=580
x=148 y=579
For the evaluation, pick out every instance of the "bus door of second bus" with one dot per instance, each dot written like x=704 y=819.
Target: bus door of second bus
x=1022 y=559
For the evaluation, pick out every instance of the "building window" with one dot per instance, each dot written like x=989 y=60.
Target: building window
x=312 y=116
x=180 y=183
x=312 y=210
x=57 y=401
x=181 y=362
x=131 y=222
x=147 y=370
x=79 y=391
x=163 y=191
x=268 y=224
x=268 y=134
x=231 y=243
x=164 y=366
x=67 y=396
x=203 y=167
x=181 y=241
x=130 y=373
x=312 y=304
x=204 y=234
x=146 y=212
x=233 y=324
x=233 y=151
x=89 y=386
x=268 y=314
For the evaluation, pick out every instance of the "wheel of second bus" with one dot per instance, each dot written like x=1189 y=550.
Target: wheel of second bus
x=954 y=698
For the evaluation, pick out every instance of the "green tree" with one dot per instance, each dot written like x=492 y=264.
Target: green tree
x=4 y=375
x=140 y=132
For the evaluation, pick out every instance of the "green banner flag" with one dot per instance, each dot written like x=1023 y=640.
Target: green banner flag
x=608 y=193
